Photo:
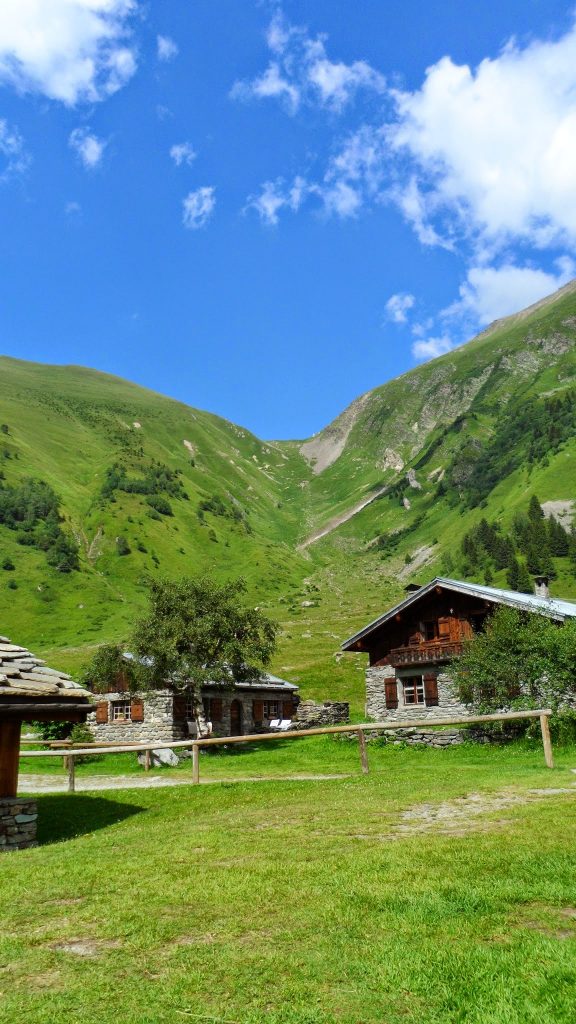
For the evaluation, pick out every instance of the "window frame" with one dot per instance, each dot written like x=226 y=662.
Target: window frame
x=272 y=709
x=115 y=706
x=418 y=687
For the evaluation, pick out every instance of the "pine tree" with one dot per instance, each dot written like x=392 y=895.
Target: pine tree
x=535 y=511
x=525 y=582
x=513 y=575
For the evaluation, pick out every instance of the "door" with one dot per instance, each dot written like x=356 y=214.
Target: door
x=236 y=718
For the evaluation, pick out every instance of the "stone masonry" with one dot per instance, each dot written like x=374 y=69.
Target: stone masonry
x=311 y=715
x=158 y=722
x=18 y=817
x=448 y=704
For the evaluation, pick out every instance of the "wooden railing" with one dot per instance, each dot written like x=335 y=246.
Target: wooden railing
x=423 y=654
x=360 y=730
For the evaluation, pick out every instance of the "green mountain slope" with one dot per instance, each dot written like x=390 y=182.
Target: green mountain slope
x=327 y=531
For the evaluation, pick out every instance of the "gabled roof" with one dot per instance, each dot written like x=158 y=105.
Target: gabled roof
x=552 y=607
x=22 y=674
x=266 y=682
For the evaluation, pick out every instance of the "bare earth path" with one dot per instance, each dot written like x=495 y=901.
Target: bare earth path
x=59 y=784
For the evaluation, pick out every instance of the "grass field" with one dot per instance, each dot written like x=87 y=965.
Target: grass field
x=440 y=888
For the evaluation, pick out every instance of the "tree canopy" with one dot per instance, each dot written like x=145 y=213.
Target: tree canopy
x=519 y=660
x=197 y=630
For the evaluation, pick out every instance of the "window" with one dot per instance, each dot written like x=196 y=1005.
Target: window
x=477 y=623
x=413 y=690
x=189 y=708
x=272 y=709
x=430 y=631
x=121 y=711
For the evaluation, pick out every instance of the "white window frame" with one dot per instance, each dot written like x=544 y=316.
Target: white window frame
x=121 y=711
x=272 y=709
x=416 y=683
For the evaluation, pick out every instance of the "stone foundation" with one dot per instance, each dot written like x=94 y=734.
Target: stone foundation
x=18 y=817
x=311 y=715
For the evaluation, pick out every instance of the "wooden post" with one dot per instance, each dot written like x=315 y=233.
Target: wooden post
x=195 y=764
x=363 y=751
x=147 y=760
x=10 y=729
x=546 y=741
x=71 y=773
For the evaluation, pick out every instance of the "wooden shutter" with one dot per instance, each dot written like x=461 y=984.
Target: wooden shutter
x=216 y=709
x=431 y=691
x=137 y=710
x=287 y=709
x=121 y=682
x=257 y=710
x=180 y=707
x=102 y=712
x=444 y=628
x=391 y=693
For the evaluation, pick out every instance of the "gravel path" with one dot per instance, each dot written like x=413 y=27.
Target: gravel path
x=56 y=784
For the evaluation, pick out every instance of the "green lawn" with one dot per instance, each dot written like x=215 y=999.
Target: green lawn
x=303 y=902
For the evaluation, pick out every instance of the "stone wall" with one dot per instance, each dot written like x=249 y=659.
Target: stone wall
x=18 y=817
x=158 y=721
x=311 y=715
x=448 y=704
x=433 y=738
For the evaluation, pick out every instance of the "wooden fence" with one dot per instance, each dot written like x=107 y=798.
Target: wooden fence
x=71 y=753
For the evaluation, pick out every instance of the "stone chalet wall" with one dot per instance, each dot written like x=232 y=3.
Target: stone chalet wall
x=158 y=721
x=311 y=715
x=448 y=705
x=18 y=817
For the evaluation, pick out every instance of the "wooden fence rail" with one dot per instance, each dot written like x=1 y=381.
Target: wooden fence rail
x=71 y=753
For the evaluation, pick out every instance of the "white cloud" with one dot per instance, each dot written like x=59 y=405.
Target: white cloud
x=67 y=50
x=166 y=48
x=341 y=198
x=494 y=147
x=183 y=153
x=72 y=209
x=301 y=72
x=275 y=196
x=431 y=348
x=88 y=147
x=15 y=158
x=198 y=207
x=493 y=292
x=398 y=307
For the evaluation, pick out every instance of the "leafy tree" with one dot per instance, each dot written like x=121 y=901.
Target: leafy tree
x=122 y=546
x=519 y=660
x=197 y=631
x=109 y=668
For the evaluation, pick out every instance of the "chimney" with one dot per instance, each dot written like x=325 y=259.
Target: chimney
x=541 y=586
x=411 y=588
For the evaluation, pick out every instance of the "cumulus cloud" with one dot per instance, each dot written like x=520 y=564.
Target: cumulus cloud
x=275 y=196
x=183 y=153
x=14 y=158
x=493 y=292
x=198 y=207
x=431 y=348
x=88 y=147
x=166 y=48
x=398 y=307
x=300 y=71
x=67 y=50
x=494 y=148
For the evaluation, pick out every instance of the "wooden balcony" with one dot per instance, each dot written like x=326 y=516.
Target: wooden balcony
x=424 y=654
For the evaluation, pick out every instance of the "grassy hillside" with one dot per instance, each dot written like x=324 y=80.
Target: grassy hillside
x=146 y=485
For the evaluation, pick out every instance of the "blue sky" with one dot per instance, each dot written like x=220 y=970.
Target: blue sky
x=266 y=209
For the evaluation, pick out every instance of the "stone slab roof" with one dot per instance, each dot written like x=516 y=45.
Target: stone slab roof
x=22 y=674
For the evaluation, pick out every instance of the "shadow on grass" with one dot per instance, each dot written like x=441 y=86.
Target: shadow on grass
x=67 y=816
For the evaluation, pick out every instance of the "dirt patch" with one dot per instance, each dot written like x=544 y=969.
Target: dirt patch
x=324 y=448
x=562 y=510
x=419 y=558
x=85 y=947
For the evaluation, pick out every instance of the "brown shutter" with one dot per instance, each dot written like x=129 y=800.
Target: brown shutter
x=391 y=692
x=102 y=712
x=287 y=709
x=121 y=682
x=179 y=707
x=444 y=628
x=431 y=691
x=137 y=710
x=216 y=709
x=257 y=710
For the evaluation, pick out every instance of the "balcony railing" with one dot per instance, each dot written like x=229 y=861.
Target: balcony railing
x=424 y=654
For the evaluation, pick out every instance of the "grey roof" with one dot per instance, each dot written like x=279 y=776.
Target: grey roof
x=552 y=607
x=267 y=682
x=22 y=674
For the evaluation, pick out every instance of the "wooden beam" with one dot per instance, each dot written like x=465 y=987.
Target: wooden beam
x=546 y=741
x=363 y=752
x=9 y=750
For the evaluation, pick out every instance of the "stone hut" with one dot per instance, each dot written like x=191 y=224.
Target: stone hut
x=29 y=691
x=165 y=715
